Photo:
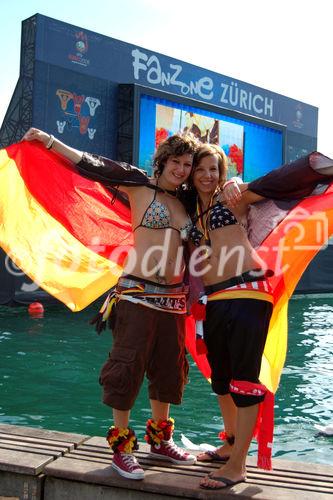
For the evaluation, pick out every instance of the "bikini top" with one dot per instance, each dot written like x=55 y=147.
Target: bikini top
x=157 y=216
x=216 y=216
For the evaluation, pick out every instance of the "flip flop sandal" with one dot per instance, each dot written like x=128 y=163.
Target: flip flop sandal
x=214 y=457
x=227 y=483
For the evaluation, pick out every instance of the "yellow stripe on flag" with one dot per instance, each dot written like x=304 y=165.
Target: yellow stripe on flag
x=241 y=294
x=275 y=351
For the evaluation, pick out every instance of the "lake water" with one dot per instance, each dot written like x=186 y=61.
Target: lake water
x=49 y=378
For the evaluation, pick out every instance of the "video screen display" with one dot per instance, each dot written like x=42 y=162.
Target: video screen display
x=252 y=149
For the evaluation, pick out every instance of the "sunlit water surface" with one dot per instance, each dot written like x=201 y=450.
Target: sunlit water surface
x=49 y=378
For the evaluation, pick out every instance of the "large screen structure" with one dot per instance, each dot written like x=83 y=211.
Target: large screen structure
x=253 y=147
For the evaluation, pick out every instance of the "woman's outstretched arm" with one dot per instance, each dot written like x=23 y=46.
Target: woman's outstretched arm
x=50 y=142
x=95 y=167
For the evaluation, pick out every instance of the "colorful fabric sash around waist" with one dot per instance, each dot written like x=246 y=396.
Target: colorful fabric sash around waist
x=259 y=290
x=173 y=303
x=129 y=281
x=169 y=298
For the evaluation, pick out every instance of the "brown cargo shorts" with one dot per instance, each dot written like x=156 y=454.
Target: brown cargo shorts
x=145 y=341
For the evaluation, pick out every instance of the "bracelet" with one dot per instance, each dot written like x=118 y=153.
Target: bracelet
x=50 y=143
x=231 y=181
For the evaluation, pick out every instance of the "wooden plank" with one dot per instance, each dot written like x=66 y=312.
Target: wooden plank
x=36 y=432
x=183 y=481
x=145 y=462
x=22 y=462
x=98 y=441
x=96 y=447
x=31 y=449
x=286 y=474
x=36 y=444
x=23 y=486
x=285 y=465
x=154 y=482
x=281 y=465
x=64 y=445
x=292 y=477
x=60 y=489
x=290 y=488
x=304 y=467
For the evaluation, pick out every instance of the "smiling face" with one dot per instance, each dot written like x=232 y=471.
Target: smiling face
x=176 y=171
x=206 y=175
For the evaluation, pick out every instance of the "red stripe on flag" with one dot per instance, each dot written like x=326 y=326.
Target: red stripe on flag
x=84 y=207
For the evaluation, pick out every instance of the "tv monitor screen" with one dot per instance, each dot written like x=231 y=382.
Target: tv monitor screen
x=253 y=148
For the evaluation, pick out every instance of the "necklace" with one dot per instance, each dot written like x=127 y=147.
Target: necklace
x=202 y=218
x=168 y=191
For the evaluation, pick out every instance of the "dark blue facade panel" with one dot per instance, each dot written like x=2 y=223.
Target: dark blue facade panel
x=299 y=145
x=318 y=277
x=90 y=53
x=79 y=109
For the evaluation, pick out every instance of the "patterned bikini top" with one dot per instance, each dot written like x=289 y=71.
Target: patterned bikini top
x=215 y=217
x=157 y=216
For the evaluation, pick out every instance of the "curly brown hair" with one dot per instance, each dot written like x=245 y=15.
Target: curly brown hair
x=176 y=145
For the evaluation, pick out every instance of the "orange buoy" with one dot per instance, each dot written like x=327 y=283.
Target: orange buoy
x=36 y=310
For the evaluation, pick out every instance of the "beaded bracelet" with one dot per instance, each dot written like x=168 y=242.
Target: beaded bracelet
x=50 y=143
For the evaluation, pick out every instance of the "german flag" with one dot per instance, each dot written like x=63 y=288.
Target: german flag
x=70 y=233
x=66 y=232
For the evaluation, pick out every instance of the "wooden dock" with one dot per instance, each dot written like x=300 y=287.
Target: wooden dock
x=37 y=464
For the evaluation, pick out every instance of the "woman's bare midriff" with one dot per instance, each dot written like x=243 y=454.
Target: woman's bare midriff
x=231 y=254
x=157 y=256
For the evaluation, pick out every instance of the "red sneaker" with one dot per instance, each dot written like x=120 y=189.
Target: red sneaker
x=127 y=465
x=168 y=450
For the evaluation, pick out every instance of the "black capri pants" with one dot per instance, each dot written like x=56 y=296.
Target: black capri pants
x=235 y=332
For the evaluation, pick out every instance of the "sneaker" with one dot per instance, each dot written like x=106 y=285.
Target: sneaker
x=127 y=465
x=168 y=450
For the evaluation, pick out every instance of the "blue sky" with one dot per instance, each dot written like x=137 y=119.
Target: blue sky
x=282 y=46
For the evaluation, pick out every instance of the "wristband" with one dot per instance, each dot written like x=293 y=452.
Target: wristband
x=50 y=143
x=231 y=181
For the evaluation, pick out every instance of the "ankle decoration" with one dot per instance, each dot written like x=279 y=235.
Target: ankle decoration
x=122 y=439
x=159 y=431
x=224 y=437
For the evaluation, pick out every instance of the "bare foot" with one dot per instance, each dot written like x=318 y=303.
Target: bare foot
x=229 y=472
